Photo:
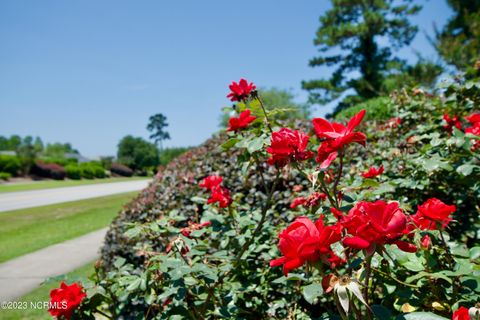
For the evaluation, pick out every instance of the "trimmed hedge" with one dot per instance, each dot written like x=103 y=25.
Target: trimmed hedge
x=48 y=170
x=10 y=164
x=121 y=170
x=5 y=176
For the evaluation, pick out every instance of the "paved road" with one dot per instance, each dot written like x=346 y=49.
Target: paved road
x=29 y=199
x=21 y=275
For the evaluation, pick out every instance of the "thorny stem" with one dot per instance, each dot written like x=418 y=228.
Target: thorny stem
x=394 y=279
x=451 y=263
x=337 y=180
x=368 y=265
x=244 y=248
x=358 y=315
x=264 y=112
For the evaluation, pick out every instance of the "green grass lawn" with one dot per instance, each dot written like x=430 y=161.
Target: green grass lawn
x=26 y=230
x=42 y=294
x=60 y=183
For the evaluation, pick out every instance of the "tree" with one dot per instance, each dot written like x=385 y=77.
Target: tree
x=275 y=98
x=137 y=153
x=156 y=126
x=459 y=42
x=348 y=40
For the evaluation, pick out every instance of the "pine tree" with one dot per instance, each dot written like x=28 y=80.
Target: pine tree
x=459 y=42
x=156 y=125
x=348 y=39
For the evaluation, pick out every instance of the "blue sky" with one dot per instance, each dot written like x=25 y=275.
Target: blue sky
x=90 y=72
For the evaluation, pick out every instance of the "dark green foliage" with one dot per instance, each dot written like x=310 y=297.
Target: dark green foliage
x=168 y=154
x=137 y=154
x=73 y=171
x=156 y=125
x=459 y=41
x=120 y=170
x=10 y=164
x=48 y=170
x=348 y=39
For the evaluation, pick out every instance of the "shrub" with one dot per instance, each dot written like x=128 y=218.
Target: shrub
x=168 y=154
x=5 y=176
x=73 y=171
x=10 y=164
x=360 y=232
x=380 y=108
x=48 y=170
x=121 y=170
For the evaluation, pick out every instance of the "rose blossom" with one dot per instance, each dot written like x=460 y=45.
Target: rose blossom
x=211 y=182
x=373 y=172
x=433 y=212
x=287 y=145
x=305 y=241
x=65 y=299
x=375 y=223
x=336 y=137
x=461 y=314
x=243 y=120
x=240 y=91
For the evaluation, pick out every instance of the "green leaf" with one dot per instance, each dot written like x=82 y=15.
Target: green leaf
x=134 y=285
x=475 y=253
x=381 y=312
x=312 y=292
x=230 y=143
x=466 y=169
x=255 y=145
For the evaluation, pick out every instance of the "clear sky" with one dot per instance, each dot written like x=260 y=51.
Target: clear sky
x=90 y=72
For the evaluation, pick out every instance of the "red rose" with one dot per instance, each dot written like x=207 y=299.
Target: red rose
x=211 y=182
x=336 y=137
x=473 y=118
x=193 y=226
x=426 y=242
x=220 y=195
x=432 y=212
x=287 y=145
x=461 y=314
x=240 y=91
x=375 y=223
x=310 y=201
x=373 y=172
x=65 y=299
x=243 y=120
x=300 y=201
x=305 y=241
x=451 y=122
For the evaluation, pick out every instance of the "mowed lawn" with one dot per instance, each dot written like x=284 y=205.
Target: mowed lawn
x=26 y=230
x=60 y=184
x=41 y=294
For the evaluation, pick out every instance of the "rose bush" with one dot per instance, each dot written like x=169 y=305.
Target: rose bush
x=320 y=220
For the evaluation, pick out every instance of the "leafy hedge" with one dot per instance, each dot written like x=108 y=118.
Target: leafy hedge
x=48 y=170
x=121 y=170
x=174 y=254
x=10 y=164
x=87 y=170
